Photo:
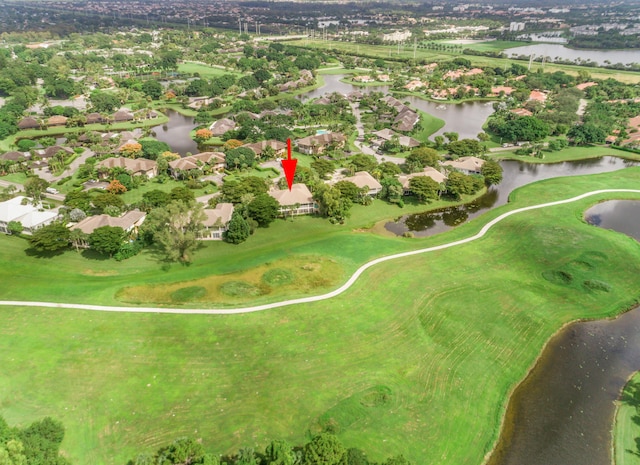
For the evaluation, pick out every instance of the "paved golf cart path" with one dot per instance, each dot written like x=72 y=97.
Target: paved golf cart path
x=317 y=298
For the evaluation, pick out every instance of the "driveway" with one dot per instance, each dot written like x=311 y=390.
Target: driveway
x=47 y=175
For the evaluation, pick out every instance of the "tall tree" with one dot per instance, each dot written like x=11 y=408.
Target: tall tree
x=238 y=229
x=107 y=239
x=52 y=237
x=324 y=449
x=264 y=209
x=175 y=229
x=492 y=172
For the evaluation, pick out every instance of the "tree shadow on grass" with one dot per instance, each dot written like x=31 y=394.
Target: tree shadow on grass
x=93 y=255
x=31 y=252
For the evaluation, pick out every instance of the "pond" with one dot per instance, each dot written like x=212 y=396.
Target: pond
x=175 y=132
x=619 y=215
x=332 y=84
x=515 y=174
x=562 y=412
x=464 y=118
x=557 y=51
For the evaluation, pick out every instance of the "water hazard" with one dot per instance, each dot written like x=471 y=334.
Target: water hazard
x=562 y=413
x=619 y=215
x=176 y=133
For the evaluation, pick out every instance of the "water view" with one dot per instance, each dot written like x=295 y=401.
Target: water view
x=515 y=174
x=176 y=131
x=557 y=51
x=563 y=411
x=619 y=215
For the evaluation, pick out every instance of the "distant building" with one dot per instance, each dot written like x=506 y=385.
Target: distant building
x=397 y=36
x=515 y=26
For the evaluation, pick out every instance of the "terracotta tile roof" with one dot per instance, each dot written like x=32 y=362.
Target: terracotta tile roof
x=299 y=194
x=126 y=221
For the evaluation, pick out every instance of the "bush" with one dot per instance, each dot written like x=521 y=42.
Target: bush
x=63 y=180
x=128 y=250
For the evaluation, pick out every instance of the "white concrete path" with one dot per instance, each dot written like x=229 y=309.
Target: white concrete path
x=317 y=298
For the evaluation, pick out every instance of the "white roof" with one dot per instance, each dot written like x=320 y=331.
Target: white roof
x=28 y=215
x=13 y=208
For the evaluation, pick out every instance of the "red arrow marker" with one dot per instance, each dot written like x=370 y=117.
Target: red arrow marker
x=289 y=165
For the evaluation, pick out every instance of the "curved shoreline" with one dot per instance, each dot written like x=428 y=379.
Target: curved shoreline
x=354 y=277
x=509 y=396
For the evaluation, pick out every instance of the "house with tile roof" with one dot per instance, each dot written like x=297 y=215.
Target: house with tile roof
x=216 y=222
x=137 y=166
x=429 y=171
x=466 y=165
x=297 y=201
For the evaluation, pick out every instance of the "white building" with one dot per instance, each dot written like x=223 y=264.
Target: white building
x=22 y=210
x=397 y=36
x=515 y=27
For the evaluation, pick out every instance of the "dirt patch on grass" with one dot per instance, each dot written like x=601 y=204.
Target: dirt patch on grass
x=290 y=277
x=99 y=273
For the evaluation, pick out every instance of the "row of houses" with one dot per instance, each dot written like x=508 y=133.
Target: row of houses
x=119 y=116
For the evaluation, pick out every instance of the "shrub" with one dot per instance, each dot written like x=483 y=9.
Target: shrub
x=128 y=250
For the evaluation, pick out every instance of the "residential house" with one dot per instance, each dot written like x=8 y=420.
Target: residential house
x=214 y=161
x=406 y=120
x=137 y=167
x=129 y=222
x=221 y=126
x=430 y=172
x=216 y=222
x=538 y=96
x=506 y=90
x=28 y=123
x=297 y=201
x=363 y=79
x=14 y=156
x=364 y=179
x=122 y=115
x=413 y=85
x=521 y=112
x=278 y=147
x=57 y=120
x=384 y=78
x=466 y=165
x=52 y=151
x=22 y=210
x=95 y=118
x=387 y=134
x=314 y=145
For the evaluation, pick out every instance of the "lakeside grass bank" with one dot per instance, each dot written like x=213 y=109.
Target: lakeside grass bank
x=626 y=428
x=455 y=329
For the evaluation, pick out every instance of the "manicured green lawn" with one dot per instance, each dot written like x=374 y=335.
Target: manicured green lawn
x=447 y=335
x=429 y=125
x=488 y=46
x=626 y=430
x=567 y=154
x=205 y=71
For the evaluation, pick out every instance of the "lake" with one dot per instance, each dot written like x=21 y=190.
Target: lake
x=557 y=51
x=562 y=413
x=464 y=118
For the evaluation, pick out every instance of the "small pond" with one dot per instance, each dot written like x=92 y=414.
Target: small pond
x=619 y=215
x=176 y=131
